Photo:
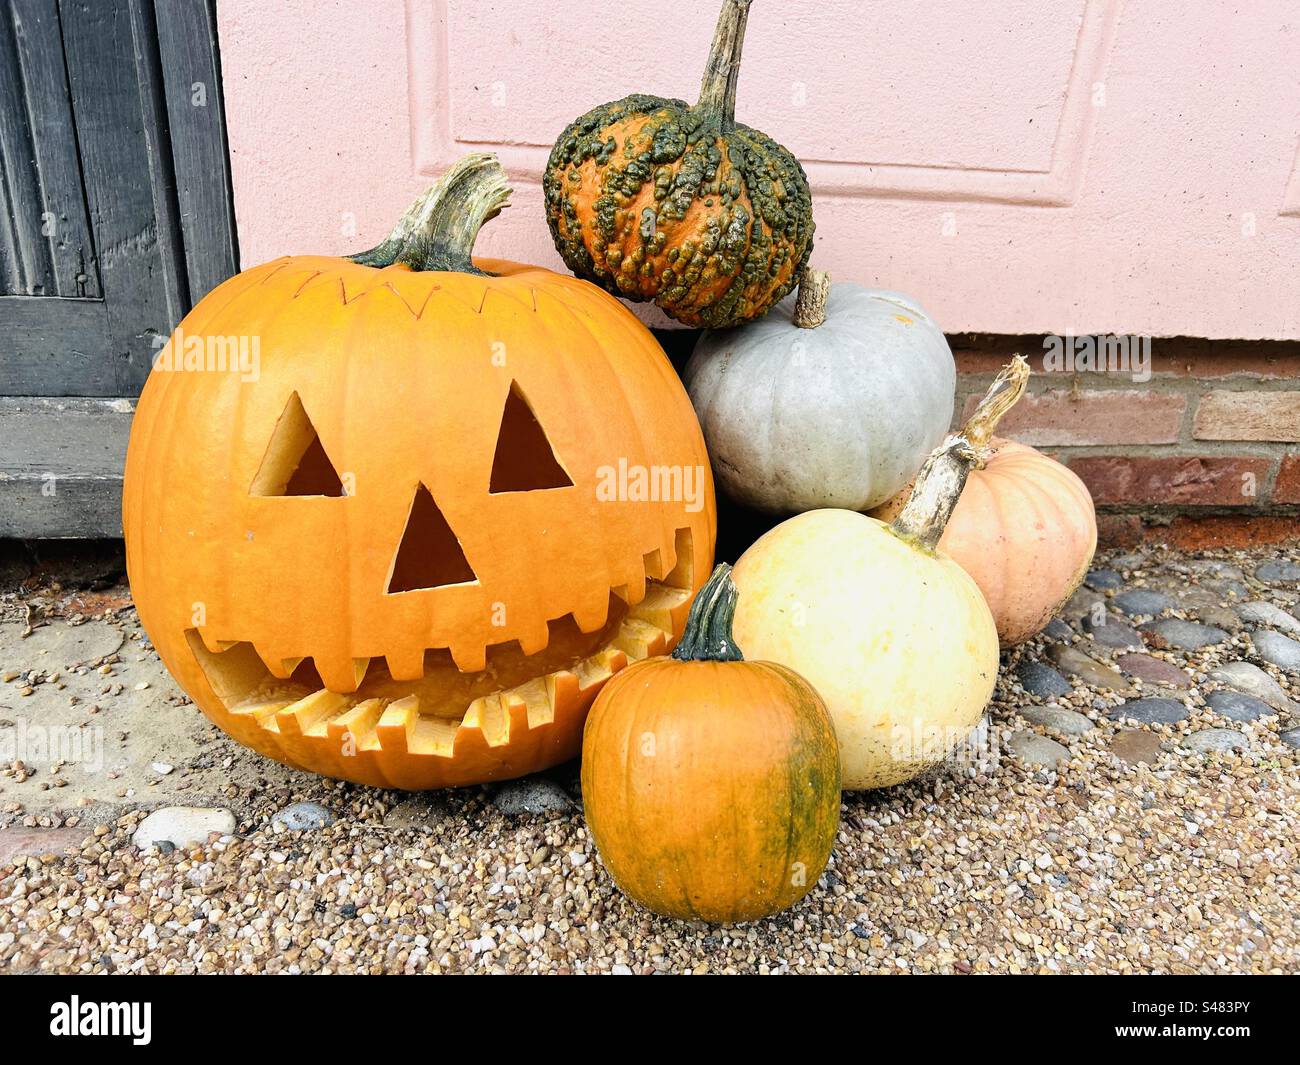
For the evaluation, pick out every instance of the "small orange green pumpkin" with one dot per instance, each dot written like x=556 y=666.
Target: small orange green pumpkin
x=711 y=784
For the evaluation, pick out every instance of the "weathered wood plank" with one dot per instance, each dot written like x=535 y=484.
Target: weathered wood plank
x=157 y=138
x=187 y=41
x=105 y=70
x=46 y=109
x=79 y=508
x=27 y=266
x=61 y=466
x=51 y=344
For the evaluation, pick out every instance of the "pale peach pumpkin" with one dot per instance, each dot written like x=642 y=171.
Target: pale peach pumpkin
x=1025 y=529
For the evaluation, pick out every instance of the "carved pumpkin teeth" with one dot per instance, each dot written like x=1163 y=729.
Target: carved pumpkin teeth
x=653 y=564
x=397 y=723
x=489 y=716
x=680 y=575
x=591 y=617
x=656 y=608
x=535 y=640
x=277 y=665
x=634 y=590
x=212 y=643
x=469 y=658
x=308 y=715
x=639 y=639
x=357 y=723
x=343 y=675
x=365 y=713
x=407 y=664
x=262 y=713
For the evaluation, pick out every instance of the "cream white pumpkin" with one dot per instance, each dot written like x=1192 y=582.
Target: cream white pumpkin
x=895 y=636
x=833 y=399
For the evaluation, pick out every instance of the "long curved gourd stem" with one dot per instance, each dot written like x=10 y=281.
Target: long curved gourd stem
x=438 y=230
x=708 y=626
x=722 y=74
x=942 y=478
x=810 y=304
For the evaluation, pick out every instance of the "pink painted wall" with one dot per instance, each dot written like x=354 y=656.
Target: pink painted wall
x=1020 y=166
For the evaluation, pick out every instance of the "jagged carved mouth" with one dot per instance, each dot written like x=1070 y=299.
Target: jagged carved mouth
x=432 y=714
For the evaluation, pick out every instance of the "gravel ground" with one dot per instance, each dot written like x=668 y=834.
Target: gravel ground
x=1084 y=833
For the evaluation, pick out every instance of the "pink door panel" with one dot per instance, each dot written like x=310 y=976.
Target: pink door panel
x=1025 y=166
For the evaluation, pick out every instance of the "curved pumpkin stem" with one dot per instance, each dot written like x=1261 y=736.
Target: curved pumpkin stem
x=722 y=75
x=708 y=626
x=942 y=478
x=438 y=230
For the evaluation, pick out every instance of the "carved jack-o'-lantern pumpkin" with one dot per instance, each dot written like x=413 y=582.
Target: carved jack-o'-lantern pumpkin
x=408 y=542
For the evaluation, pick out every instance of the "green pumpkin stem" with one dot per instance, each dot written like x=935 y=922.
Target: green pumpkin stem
x=708 y=626
x=438 y=231
x=721 y=76
x=941 y=480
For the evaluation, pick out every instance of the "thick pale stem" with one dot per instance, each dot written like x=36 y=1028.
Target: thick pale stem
x=942 y=478
x=438 y=231
x=718 y=89
x=810 y=304
x=708 y=626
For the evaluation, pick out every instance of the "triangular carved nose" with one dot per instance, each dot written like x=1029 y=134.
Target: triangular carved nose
x=429 y=555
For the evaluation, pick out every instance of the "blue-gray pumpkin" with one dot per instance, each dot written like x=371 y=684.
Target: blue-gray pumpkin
x=834 y=399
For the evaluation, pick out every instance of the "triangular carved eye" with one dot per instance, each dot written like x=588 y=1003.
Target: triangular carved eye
x=524 y=459
x=429 y=555
x=295 y=463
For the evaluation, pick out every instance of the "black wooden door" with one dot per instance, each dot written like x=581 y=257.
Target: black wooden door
x=115 y=218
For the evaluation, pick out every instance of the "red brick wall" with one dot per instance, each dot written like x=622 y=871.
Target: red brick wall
x=1214 y=432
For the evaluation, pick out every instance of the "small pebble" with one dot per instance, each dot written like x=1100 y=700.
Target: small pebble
x=531 y=795
x=1134 y=746
x=303 y=817
x=1141 y=601
x=1249 y=678
x=1274 y=617
x=1184 y=635
x=182 y=825
x=1109 y=631
x=1281 y=651
x=1278 y=572
x=1153 y=670
x=1236 y=706
x=1150 y=711
x=1215 y=740
x=1058 y=719
x=1034 y=749
x=1103 y=579
x=1039 y=679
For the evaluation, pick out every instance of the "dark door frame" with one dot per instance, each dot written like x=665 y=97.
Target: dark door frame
x=116 y=216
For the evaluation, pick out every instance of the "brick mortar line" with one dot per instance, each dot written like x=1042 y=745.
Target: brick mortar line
x=1203 y=449
x=1186 y=427
x=1040 y=382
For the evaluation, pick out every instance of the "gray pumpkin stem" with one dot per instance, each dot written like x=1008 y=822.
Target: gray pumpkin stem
x=438 y=230
x=810 y=304
x=941 y=480
x=722 y=74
